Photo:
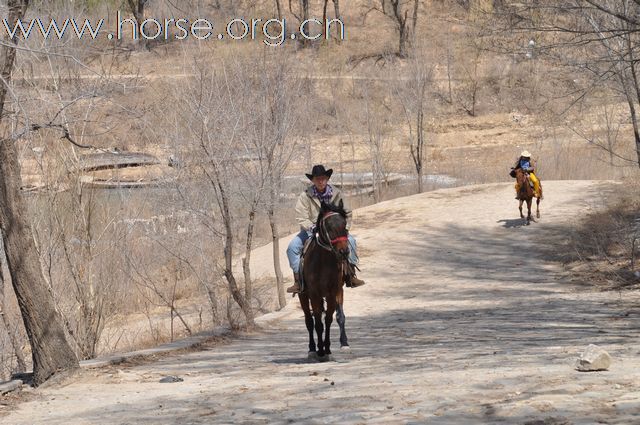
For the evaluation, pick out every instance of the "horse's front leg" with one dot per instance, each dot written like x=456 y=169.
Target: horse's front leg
x=341 y=319
x=317 y=318
x=328 y=319
x=520 y=208
x=529 y=202
x=308 y=320
x=537 y=207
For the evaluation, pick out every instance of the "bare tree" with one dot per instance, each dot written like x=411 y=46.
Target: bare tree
x=51 y=352
x=404 y=14
x=376 y=132
x=412 y=93
x=470 y=83
x=216 y=118
x=137 y=9
x=336 y=9
x=278 y=95
x=595 y=39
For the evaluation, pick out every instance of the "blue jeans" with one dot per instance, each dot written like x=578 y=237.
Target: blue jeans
x=294 y=250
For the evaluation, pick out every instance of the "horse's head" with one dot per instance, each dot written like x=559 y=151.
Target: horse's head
x=332 y=227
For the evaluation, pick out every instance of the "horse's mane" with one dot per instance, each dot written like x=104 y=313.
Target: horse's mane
x=333 y=208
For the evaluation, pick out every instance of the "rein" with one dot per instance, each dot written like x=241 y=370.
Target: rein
x=323 y=233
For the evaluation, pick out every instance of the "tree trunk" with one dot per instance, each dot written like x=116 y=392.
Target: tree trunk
x=279 y=9
x=416 y=3
x=375 y=177
x=418 y=162
x=336 y=8
x=419 y=155
x=634 y=122
x=637 y=139
x=636 y=86
x=228 y=253
x=282 y=300
x=50 y=351
x=401 y=22
x=137 y=8
x=10 y=329
x=324 y=13
x=304 y=5
x=449 y=77
x=248 y=287
x=402 y=48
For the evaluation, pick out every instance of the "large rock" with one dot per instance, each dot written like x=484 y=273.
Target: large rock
x=592 y=359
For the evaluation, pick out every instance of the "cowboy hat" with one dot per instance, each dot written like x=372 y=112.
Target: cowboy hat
x=526 y=154
x=319 y=170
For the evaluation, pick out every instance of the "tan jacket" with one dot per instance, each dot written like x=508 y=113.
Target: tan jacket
x=308 y=207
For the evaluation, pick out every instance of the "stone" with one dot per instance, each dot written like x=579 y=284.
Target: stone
x=171 y=379
x=593 y=359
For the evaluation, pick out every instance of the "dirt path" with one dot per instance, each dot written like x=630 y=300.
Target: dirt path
x=452 y=328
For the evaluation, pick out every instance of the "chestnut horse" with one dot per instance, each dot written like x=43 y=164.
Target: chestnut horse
x=323 y=270
x=526 y=194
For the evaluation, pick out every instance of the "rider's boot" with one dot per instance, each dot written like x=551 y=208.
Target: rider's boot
x=295 y=288
x=351 y=279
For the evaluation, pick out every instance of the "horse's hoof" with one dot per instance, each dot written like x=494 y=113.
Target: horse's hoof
x=346 y=350
x=325 y=358
x=312 y=355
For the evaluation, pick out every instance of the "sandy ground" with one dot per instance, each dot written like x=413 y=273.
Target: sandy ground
x=464 y=320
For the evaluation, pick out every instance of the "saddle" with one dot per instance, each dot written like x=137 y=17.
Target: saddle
x=305 y=247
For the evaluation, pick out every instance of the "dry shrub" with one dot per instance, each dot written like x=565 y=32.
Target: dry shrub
x=602 y=244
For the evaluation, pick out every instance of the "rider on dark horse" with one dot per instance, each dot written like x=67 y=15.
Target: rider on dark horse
x=307 y=210
x=528 y=166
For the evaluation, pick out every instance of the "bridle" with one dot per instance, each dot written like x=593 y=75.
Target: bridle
x=324 y=240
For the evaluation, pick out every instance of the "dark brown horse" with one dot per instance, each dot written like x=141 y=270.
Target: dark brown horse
x=323 y=271
x=526 y=194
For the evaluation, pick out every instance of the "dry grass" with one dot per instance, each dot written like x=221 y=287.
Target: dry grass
x=602 y=243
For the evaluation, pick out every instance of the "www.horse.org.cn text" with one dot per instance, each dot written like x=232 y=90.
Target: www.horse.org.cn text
x=272 y=32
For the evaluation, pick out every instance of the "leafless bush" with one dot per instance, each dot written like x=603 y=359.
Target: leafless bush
x=603 y=243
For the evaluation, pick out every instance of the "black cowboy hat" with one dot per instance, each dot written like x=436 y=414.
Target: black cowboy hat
x=319 y=170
